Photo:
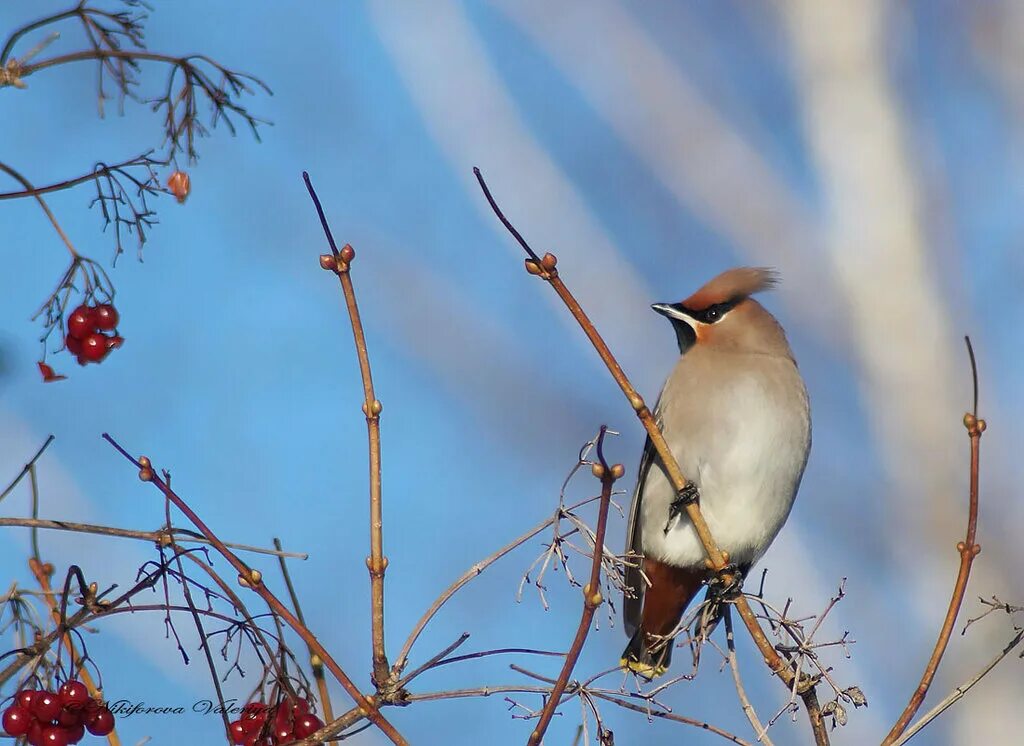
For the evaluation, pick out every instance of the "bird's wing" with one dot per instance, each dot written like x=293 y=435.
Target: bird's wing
x=633 y=596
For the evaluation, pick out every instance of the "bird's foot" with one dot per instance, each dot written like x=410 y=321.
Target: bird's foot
x=725 y=585
x=688 y=495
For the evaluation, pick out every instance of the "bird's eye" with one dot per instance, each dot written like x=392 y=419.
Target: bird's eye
x=712 y=315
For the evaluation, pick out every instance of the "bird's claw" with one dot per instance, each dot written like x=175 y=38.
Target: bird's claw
x=725 y=584
x=688 y=495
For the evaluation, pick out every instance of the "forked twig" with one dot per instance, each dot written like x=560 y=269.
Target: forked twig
x=968 y=550
x=591 y=591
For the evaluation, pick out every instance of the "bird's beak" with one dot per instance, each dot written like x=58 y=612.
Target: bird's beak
x=673 y=311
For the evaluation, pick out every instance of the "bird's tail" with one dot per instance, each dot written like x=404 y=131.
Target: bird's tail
x=645 y=656
x=649 y=651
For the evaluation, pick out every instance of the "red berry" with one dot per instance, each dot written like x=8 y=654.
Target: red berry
x=105 y=316
x=73 y=694
x=16 y=721
x=74 y=344
x=299 y=707
x=24 y=699
x=81 y=322
x=70 y=715
x=237 y=732
x=35 y=733
x=45 y=706
x=283 y=733
x=100 y=722
x=75 y=733
x=54 y=735
x=306 y=725
x=114 y=342
x=94 y=347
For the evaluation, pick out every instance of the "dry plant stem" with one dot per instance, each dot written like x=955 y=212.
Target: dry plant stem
x=968 y=550
x=314 y=660
x=748 y=709
x=257 y=586
x=957 y=694
x=591 y=593
x=376 y=563
x=545 y=268
x=42 y=203
x=83 y=673
x=353 y=716
x=156 y=537
x=466 y=577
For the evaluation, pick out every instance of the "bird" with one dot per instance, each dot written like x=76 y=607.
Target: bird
x=735 y=415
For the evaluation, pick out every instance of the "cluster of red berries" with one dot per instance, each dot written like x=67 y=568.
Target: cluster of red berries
x=87 y=336
x=46 y=718
x=268 y=725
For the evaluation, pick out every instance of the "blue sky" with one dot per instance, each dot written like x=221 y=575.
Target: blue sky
x=649 y=146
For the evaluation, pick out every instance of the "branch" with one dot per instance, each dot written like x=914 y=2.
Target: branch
x=968 y=550
x=545 y=268
x=314 y=660
x=748 y=709
x=253 y=580
x=958 y=693
x=161 y=537
x=340 y=263
x=591 y=591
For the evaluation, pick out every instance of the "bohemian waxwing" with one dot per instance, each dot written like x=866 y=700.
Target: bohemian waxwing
x=734 y=412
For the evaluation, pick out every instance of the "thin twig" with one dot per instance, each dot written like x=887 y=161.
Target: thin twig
x=968 y=550
x=314 y=660
x=958 y=693
x=178 y=534
x=591 y=591
x=376 y=563
x=748 y=709
x=466 y=577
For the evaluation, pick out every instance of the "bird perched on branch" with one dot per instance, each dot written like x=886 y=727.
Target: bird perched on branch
x=735 y=415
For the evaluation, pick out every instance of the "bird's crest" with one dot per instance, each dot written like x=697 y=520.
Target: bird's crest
x=732 y=285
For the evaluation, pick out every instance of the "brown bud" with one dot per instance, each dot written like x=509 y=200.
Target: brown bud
x=146 y=475
x=374 y=409
x=981 y=426
x=348 y=254
x=533 y=268
x=549 y=262
x=617 y=471
x=597 y=470
x=48 y=569
x=179 y=185
x=314 y=660
x=636 y=401
x=970 y=421
x=328 y=262
x=144 y=462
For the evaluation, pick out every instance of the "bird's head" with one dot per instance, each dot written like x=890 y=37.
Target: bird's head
x=722 y=315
